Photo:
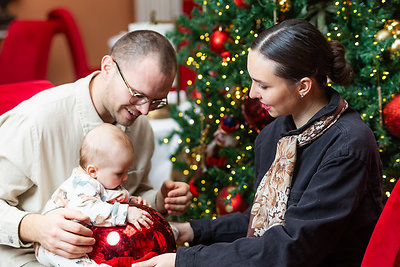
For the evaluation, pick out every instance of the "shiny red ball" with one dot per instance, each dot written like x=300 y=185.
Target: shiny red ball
x=120 y=246
x=237 y=203
x=218 y=40
x=255 y=114
x=391 y=113
x=241 y=3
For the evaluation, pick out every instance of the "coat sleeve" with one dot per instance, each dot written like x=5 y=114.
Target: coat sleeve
x=312 y=227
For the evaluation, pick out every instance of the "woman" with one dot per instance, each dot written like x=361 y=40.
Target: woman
x=317 y=166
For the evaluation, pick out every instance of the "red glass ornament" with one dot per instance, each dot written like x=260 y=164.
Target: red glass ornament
x=237 y=203
x=120 y=246
x=225 y=55
x=241 y=3
x=391 y=113
x=218 y=40
x=255 y=114
x=193 y=188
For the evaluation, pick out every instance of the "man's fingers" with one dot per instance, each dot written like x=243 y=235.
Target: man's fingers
x=78 y=230
x=167 y=186
x=71 y=214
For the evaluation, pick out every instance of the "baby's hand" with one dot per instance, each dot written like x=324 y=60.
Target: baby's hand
x=138 y=216
x=139 y=200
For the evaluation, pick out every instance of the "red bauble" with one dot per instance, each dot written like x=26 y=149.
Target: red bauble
x=391 y=114
x=237 y=203
x=255 y=114
x=218 y=40
x=241 y=3
x=193 y=188
x=120 y=246
x=225 y=56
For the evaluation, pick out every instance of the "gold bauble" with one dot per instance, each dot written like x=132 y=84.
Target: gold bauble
x=396 y=45
x=393 y=26
x=383 y=35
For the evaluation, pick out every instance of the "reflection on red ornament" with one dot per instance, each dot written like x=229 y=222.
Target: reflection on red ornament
x=391 y=114
x=120 y=246
x=218 y=40
x=237 y=203
x=255 y=114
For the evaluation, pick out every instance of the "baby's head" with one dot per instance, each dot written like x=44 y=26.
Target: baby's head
x=106 y=155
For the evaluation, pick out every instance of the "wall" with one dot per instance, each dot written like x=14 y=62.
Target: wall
x=98 y=20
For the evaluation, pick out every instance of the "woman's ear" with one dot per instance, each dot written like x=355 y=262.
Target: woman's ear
x=304 y=86
x=91 y=170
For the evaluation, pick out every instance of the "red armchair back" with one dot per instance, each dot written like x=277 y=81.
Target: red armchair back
x=25 y=50
x=384 y=246
x=14 y=93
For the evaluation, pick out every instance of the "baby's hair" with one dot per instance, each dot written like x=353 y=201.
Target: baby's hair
x=300 y=50
x=98 y=142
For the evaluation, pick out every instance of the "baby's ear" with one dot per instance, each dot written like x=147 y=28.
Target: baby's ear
x=91 y=170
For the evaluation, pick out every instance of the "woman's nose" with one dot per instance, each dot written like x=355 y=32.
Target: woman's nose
x=253 y=92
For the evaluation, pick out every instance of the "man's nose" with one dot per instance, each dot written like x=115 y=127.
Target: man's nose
x=144 y=108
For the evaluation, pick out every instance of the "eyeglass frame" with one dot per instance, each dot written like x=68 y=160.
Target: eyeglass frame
x=161 y=102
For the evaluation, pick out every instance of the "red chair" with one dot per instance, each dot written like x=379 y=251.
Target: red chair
x=14 y=93
x=25 y=50
x=384 y=246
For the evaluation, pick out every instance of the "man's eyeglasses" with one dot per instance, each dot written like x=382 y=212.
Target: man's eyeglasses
x=140 y=99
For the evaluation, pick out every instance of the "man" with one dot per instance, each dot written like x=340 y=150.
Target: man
x=40 y=139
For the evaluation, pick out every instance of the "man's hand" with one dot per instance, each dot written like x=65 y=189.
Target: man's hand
x=174 y=197
x=163 y=260
x=57 y=233
x=186 y=233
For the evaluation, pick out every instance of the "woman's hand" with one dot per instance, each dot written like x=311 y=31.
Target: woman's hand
x=185 y=232
x=163 y=260
x=58 y=233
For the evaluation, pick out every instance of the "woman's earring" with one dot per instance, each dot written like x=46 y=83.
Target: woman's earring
x=301 y=95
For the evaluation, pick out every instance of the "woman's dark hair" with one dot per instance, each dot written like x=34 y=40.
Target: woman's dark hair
x=300 y=50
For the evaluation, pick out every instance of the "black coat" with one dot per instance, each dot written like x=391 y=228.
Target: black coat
x=334 y=202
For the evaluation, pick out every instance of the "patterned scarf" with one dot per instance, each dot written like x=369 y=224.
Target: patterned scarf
x=270 y=201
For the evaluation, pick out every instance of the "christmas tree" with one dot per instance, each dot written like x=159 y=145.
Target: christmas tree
x=219 y=126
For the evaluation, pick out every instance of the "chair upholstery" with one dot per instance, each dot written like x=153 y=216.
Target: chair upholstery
x=384 y=245
x=14 y=93
x=75 y=42
x=25 y=51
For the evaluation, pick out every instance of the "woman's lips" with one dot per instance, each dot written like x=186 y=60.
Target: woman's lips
x=265 y=106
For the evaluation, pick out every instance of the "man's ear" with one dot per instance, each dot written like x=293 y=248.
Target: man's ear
x=107 y=63
x=304 y=86
x=91 y=170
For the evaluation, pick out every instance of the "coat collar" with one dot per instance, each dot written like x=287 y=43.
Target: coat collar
x=334 y=98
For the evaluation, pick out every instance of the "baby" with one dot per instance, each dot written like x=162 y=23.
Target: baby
x=95 y=188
